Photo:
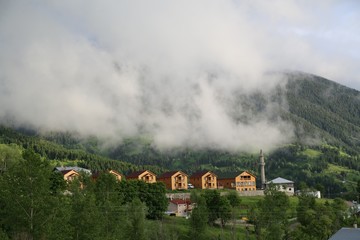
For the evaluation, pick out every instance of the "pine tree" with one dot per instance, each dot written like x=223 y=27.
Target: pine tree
x=135 y=226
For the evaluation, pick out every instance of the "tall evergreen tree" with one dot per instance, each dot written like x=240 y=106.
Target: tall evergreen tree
x=135 y=225
x=109 y=203
x=25 y=195
x=86 y=216
x=198 y=220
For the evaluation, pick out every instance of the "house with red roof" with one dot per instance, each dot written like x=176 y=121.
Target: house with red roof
x=244 y=181
x=204 y=180
x=180 y=207
x=175 y=180
x=144 y=175
x=118 y=176
x=69 y=175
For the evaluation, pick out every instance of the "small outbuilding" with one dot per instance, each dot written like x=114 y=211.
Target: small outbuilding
x=282 y=185
x=181 y=207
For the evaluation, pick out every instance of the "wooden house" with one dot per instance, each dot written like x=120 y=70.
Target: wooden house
x=144 y=175
x=204 y=180
x=244 y=181
x=176 y=180
x=71 y=172
x=69 y=175
x=116 y=174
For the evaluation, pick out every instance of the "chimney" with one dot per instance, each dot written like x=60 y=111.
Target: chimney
x=262 y=166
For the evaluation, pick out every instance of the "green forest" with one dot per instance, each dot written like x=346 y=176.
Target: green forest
x=37 y=203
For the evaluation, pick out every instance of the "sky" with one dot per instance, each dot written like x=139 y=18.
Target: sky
x=182 y=73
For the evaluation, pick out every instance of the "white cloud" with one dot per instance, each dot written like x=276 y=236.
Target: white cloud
x=167 y=69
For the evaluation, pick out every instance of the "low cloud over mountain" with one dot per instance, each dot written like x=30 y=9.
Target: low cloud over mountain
x=184 y=73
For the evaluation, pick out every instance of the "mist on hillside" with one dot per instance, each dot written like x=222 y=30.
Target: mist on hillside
x=193 y=74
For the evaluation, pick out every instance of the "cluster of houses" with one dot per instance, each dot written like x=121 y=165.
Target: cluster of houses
x=179 y=204
x=177 y=180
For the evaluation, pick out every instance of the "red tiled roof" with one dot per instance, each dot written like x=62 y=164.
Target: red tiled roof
x=248 y=173
x=200 y=174
x=65 y=171
x=137 y=173
x=180 y=201
x=95 y=174
x=169 y=174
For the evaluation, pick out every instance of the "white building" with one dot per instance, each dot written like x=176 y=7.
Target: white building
x=315 y=194
x=180 y=207
x=283 y=185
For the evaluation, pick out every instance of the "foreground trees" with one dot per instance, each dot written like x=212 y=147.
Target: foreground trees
x=319 y=221
x=270 y=217
x=34 y=205
x=27 y=206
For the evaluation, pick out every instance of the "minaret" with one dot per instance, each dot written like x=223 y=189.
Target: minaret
x=262 y=165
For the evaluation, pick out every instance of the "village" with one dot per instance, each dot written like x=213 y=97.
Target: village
x=178 y=183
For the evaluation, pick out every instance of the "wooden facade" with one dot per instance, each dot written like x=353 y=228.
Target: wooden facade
x=69 y=175
x=144 y=175
x=244 y=181
x=204 y=180
x=176 y=180
x=116 y=174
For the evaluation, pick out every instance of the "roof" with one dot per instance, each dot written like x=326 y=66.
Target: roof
x=137 y=173
x=201 y=173
x=114 y=172
x=279 y=180
x=169 y=174
x=75 y=168
x=346 y=233
x=180 y=201
x=64 y=172
x=248 y=173
x=228 y=175
x=98 y=173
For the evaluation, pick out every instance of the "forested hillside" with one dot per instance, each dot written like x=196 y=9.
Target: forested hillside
x=324 y=155
x=73 y=154
x=324 y=110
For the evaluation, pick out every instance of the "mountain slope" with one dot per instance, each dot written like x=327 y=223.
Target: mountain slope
x=322 y=108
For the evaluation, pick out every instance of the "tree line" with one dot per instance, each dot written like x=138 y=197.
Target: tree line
x=36 y=203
